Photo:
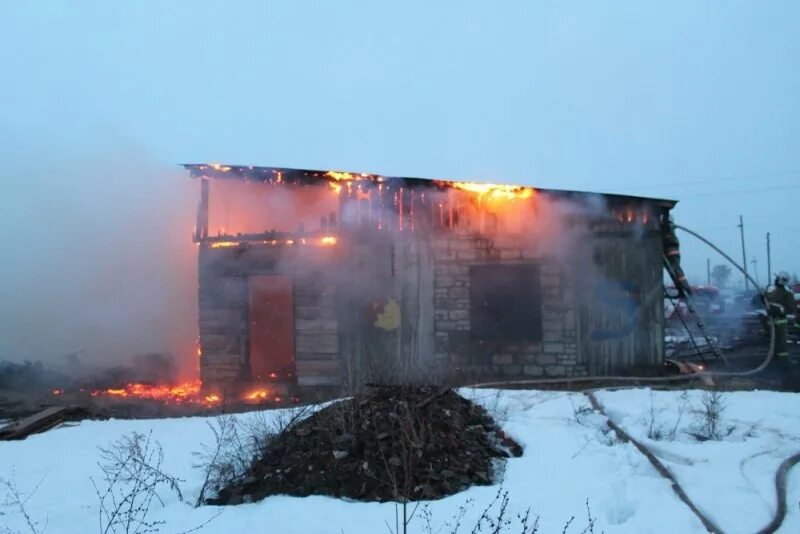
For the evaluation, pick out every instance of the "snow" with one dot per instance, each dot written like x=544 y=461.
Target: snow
x=570 y=456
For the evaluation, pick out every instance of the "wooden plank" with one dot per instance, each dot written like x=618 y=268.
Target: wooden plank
x=318 y=343
x=38 y=422
x=315 y=356
x=315 y=312
x=310 y=367
x=201 y=232
x=319 y=326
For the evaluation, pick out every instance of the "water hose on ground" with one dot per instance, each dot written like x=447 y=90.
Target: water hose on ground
x=656 y=463
x=780 y=493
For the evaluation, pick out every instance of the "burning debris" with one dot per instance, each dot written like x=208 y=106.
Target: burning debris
x=149 y=388
x=396 y=443
x=189 y=392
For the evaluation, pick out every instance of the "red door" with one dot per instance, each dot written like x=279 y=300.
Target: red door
x=271 y=327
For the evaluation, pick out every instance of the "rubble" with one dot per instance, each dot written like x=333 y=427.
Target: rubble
x=395 y=443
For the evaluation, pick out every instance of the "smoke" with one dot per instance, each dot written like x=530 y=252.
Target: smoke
x=442 y=231
x=98 y=260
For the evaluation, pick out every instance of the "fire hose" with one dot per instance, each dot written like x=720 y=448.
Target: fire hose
x=660 y=379
x=786 y=465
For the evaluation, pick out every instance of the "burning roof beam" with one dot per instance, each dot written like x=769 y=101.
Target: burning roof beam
x=303 y=177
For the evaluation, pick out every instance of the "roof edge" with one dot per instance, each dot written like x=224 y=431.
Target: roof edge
x=309 y=176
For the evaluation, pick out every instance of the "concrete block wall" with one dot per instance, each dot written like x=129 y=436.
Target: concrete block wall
x=556 y=355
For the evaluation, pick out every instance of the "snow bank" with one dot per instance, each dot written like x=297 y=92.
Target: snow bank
x=569 y=457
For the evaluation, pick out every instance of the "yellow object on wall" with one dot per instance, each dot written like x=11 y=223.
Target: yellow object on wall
x=389 y=318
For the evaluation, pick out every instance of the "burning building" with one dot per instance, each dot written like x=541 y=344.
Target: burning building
x=322 y=278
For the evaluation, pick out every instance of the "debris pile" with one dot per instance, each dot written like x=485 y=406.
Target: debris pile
x=396 y=443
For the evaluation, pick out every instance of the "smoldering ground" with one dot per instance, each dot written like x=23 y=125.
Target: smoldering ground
x=98 y=263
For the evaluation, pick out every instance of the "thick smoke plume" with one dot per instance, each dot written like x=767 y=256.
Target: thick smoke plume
x=98 y=260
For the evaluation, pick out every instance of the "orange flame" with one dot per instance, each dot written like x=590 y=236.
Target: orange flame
x=186 y=392
x=507 y=192
x=327 y=240
x=339 y=177
x=257 y=395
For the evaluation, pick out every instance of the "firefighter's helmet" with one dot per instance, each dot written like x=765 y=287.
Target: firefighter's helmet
x=782 y=278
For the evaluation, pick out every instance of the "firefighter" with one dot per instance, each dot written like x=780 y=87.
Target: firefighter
x=672 y=252
x=781 y=307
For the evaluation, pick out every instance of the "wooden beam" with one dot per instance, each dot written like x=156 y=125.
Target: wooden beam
x=38 y=422
x=201 y=230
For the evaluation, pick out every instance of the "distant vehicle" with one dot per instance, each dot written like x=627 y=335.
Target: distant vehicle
x=707 y=301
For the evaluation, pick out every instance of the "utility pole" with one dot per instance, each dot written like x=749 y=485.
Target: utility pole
x=769 y=261
x=754 y=261
x=708 y=271
x=744 y=254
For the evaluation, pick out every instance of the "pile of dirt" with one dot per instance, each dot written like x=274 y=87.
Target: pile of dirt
x=392 y=444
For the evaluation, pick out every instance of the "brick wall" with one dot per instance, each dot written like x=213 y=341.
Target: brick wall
x=556 y=354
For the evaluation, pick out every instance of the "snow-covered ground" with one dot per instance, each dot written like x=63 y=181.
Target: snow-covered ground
x=570 y=456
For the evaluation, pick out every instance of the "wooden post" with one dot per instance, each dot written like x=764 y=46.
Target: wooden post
x=201 y=232
x=769 y=261
x=744 y=254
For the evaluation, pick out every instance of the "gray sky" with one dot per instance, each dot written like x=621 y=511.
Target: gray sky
x=697 y=101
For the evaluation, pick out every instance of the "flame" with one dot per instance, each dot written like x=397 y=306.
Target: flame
x=339 y=177
x=185 y=392
x=257 y=395
x=342 y=176
x=58 y=391
x=218 y=167
x=327 y=240
x=508 y=192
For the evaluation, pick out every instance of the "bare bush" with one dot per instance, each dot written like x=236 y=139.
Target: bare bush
x=580 y=410
x=495 y=519
x=133 y=480
x=225 y=459
x=708 y=418
x=237 y=443
x=17 y=500
x=684 y=404
x=401 y=453
x=493 y=406
x=655 y=429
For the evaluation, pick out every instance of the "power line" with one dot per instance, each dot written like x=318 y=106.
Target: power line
x=715 y=180
x=737 y=191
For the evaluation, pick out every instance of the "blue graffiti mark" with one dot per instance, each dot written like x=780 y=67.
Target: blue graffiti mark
x=623 y=296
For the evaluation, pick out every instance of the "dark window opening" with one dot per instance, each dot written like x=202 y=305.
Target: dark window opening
x=505 y=303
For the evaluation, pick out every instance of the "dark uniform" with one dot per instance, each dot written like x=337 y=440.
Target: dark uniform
x=781 y=309
x=672 y=252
